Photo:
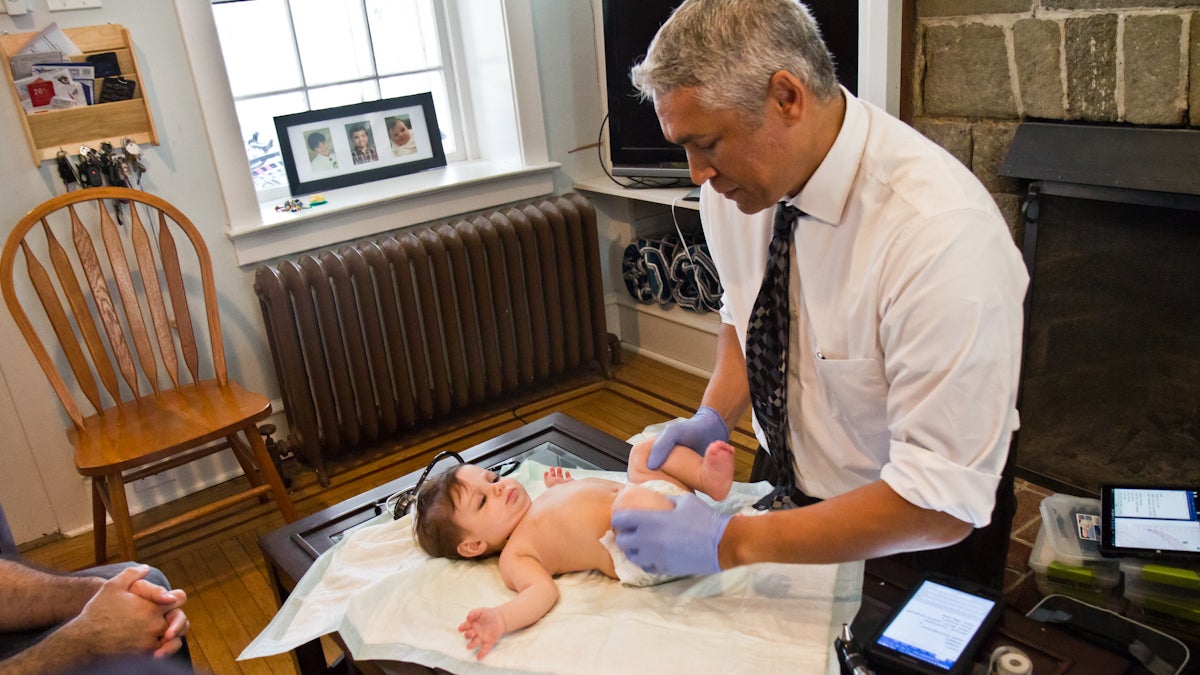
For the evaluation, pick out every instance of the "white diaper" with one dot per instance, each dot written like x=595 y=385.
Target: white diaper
x=629 y=573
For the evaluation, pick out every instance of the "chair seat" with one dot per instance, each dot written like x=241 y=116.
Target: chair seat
x=138 y=432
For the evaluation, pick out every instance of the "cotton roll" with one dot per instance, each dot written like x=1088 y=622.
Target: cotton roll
x=1011 y=662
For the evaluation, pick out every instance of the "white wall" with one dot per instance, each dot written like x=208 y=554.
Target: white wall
x=39 y=476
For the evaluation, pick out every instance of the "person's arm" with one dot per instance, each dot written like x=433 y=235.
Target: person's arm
x=30 y=598
x=536 y=595
x=115 y=621
x=869 y=522
x=728 y=391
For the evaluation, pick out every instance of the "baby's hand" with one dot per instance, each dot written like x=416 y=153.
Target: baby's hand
x=556 y=475
x=482 y=629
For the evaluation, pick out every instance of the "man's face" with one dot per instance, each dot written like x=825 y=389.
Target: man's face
x=322 y=148
x=400 y=133
x=487 y=506
x=738 y=159
x=360 y=138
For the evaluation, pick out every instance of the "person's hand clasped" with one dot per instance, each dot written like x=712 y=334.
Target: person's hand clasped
x=697 y=432
x=679 y=542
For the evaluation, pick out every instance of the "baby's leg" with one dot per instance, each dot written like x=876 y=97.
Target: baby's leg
x=711 y=474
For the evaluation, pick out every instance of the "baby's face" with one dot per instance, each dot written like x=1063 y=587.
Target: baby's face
x=487 y=506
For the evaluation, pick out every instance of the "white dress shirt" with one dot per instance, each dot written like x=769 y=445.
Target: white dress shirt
x=906 y=318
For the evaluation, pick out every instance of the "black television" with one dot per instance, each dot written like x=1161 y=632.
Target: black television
x=636 y=147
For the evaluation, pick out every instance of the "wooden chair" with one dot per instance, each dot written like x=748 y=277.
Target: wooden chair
x=158 y=415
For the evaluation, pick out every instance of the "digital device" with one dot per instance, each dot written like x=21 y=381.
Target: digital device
x=636 y=144
x=937 y=628
x=1150 y=521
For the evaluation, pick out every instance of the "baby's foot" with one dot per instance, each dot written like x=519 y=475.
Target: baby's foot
x=556 y=475
x=716 y=470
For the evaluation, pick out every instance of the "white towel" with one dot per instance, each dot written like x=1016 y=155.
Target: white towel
x=390 y=601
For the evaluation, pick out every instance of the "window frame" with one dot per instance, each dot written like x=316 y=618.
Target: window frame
x=507 y=153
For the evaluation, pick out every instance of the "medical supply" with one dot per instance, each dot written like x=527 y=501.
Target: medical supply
x=850 y=658
x=1009 y=660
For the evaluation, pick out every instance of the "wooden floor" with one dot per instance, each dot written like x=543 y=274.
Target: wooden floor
x=219 y=563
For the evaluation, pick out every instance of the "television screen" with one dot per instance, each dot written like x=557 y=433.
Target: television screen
x=636 y=144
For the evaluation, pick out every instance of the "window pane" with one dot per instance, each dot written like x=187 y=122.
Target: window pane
x=255 y=40
x=333 y=40
x=406 y=35
x=257 y=119
x=342 y=94
x=405 y=85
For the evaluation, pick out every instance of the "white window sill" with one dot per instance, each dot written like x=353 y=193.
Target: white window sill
x=381 y=206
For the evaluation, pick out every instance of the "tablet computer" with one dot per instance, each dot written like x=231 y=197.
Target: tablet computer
x=937 y=628
x=1150 y=522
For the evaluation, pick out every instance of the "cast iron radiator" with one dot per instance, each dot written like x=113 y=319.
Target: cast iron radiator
x=377 y=337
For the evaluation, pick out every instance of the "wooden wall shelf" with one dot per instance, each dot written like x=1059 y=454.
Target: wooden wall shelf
x=49 y=131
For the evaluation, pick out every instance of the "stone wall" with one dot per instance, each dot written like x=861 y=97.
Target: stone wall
x=983 y=66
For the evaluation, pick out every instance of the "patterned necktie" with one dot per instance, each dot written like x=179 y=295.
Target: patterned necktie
x=767 y=350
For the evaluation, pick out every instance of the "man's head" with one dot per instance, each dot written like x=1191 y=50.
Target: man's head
x=359 y=137
x=739 y=83
x=399 y=132
x=468 y=512
x=317 y=143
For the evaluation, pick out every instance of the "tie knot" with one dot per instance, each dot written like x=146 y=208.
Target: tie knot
x=785 y=218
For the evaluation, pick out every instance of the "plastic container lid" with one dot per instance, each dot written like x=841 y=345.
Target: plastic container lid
x=1072 y=525
x=1176 y=606
x=1165 y=578
x=1045 y=562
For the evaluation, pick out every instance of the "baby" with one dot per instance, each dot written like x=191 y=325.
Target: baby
x=470 y=512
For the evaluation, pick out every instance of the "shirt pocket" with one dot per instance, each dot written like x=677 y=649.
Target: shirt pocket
x=856 y=392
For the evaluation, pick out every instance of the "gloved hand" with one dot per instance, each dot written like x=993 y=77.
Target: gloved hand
x=696 y=432
x=679 y=542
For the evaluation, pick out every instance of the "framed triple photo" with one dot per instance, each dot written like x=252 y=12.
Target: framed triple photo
x=359 y=143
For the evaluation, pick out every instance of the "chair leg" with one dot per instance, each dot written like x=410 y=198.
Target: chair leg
x=259 y=446
x=119 y=508
x=99 y=522
x=242 y=453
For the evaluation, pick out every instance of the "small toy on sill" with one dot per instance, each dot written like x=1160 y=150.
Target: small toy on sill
x=294 y=205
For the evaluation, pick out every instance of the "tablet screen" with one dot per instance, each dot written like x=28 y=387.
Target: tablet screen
x=936 y=625
x=1152 y=519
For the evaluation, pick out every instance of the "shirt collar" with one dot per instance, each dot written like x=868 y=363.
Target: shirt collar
x=825 y=194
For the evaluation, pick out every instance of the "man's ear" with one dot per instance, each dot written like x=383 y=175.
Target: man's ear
x=472 y=548
x=787 y=96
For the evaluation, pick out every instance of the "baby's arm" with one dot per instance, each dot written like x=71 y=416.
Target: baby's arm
x=536 y=594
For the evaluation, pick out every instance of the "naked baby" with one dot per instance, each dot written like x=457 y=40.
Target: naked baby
x=469 y=512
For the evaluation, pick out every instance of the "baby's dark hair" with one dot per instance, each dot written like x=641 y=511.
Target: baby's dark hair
x=434 y=525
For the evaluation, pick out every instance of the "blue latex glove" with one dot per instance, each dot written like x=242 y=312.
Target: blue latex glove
x=696 y=432
x=680 y=542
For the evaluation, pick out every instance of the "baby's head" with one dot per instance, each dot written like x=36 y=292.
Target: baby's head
x=468 y=512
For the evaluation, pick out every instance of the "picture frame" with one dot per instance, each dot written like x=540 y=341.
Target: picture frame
x=353 y=144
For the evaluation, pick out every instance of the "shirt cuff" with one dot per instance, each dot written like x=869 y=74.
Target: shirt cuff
x=933 y=482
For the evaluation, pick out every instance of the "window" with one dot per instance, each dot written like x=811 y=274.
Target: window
x=290 y=56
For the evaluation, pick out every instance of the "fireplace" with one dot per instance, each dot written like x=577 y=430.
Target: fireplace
x=1110 y=387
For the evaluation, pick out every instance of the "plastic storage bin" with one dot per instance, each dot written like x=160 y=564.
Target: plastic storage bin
x=1163 y=594
x=1066 y=557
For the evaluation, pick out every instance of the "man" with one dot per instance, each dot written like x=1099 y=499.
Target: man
x=323 y=159
x=903 y=334
x=54 y=622
x=362 y=151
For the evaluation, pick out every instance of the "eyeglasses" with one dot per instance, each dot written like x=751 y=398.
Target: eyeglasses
x=402 y=501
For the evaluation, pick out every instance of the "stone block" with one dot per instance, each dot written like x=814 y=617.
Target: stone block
x=1194 y=71
x=971 y=7
x=954 y=137
x=1152 y=69
x=1037 y=45
x=1117 y=4
x=1092 y=68
x=991 y=141
x=966 y=72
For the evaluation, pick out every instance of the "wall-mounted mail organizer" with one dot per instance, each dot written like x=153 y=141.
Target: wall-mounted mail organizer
x=50 y=130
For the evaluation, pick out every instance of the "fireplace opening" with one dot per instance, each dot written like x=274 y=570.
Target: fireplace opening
x=1110 y=386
